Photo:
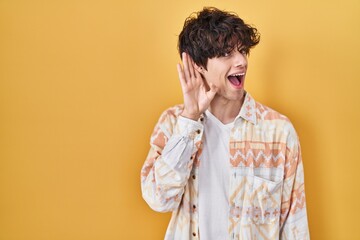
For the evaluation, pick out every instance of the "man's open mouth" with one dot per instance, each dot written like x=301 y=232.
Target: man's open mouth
x=236 y=79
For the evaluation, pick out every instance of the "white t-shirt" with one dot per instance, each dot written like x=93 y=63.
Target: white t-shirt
x=214 y=177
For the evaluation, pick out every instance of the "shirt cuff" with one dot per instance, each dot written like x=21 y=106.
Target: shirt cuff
x=188 y=128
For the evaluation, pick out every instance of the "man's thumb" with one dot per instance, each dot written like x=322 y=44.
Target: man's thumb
x=213 y=90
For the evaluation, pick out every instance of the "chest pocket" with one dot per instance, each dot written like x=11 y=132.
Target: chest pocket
x=265 y=200
x=257 y=194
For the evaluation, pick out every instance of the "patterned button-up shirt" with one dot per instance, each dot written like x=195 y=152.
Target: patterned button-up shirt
x=266 y=192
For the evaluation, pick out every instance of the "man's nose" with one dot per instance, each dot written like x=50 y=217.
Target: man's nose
x=240 y=59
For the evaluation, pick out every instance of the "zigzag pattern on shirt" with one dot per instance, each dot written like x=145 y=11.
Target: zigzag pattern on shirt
x=259 y=159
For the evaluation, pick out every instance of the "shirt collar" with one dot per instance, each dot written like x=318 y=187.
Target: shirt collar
x=248 y=109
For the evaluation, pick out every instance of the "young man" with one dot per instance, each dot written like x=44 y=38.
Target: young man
x=226 y=166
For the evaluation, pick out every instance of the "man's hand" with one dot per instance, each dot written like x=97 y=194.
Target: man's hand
x=196 y=97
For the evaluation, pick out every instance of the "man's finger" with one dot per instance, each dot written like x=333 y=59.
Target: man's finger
x=191 y=66
x=186 y=67
x=213 y=90
x=197 y=74
x=181 y=76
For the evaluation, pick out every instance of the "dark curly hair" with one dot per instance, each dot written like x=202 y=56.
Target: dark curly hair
x=213 y=33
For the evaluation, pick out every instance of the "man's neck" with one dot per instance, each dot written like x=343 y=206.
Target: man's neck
x=225 y=110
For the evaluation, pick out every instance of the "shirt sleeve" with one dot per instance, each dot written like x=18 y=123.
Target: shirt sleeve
x=164 y=175
x=293 y=220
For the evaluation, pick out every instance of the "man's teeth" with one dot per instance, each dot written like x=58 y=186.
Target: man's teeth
x=238 y=74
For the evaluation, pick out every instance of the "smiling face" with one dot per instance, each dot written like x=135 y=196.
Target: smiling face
x=227 y=73
x=218 y=42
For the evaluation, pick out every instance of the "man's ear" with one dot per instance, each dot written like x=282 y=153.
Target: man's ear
x=202 y=70
x=199 y=69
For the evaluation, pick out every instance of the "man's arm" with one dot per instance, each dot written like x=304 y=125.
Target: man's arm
x=166 y=170
x=293 y=221
x=174 y=142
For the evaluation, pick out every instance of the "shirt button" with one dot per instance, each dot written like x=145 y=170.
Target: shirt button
x=201 y=119
x=194 y=234
x=193 y=176
x=198 y=131
x=194 y=206
x=191 y=157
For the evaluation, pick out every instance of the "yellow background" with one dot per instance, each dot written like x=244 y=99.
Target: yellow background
x=82 y=84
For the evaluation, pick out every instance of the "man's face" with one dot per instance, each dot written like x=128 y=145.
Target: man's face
x=227 y=73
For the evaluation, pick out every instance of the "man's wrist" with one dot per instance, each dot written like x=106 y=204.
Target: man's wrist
x=194 y=117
